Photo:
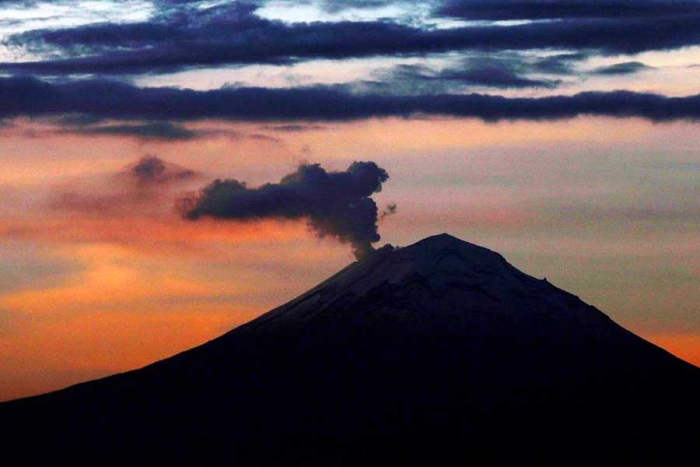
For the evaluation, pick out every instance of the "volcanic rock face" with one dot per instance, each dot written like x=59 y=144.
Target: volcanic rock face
x=441 y=347
x=442 y=285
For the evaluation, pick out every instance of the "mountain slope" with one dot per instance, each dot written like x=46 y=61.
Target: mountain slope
x=441 y=347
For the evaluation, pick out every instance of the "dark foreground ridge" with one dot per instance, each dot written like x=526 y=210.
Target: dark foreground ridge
x=419 y=355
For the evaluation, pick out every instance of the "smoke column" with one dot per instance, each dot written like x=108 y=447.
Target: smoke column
x=336 y=204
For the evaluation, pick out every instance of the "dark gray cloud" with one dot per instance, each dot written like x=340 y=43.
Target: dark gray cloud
x=295 y=128
x=183 y=36
x=625 y=68
x=81 y=124
x=499 y=10
x=501 y=73
x=496 y=76
x=148 y=169
x=77 y=120
x=152 y=169
x=558 y=64
x=165 y=131
x=30 y=97
x=336 y=204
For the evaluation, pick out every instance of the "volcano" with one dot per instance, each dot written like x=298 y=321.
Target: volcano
x=435 y=352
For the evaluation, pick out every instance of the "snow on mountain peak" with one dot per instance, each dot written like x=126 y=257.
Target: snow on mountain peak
x=442 y=279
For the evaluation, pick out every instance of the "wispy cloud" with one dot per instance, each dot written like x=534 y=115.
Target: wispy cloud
x=163 y=131
x=511 y=72
x=147 y=187
x=624 y=68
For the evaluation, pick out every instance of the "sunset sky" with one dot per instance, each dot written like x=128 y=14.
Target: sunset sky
x=564 y=134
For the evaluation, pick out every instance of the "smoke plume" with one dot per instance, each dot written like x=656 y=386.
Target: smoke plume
x=336 y=204
x=148 y=186
x=151 y=169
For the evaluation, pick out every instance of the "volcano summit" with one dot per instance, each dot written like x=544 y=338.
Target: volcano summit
x=439 y=350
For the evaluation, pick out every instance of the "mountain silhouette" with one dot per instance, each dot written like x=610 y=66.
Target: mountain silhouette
x=435 y=352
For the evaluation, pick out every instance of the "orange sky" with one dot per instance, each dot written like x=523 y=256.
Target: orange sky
x=606 y=209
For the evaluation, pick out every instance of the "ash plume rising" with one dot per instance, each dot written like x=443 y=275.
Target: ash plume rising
x=148 y=168
x=151 y=169
x=335 y=204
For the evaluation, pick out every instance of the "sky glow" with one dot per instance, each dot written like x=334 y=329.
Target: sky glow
x=564 y=137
